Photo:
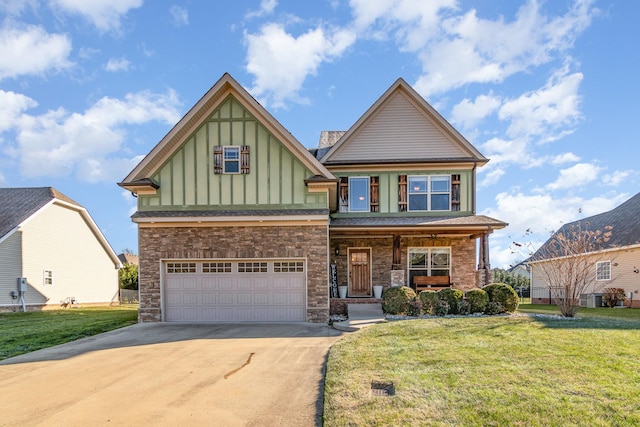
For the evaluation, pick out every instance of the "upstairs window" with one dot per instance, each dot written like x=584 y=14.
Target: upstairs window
x=359 y=194
x=603 y=270
x=231 y=159
x=429 y=193
x=47 y=277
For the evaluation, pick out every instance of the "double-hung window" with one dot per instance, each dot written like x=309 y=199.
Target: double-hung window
x=429 y=193
x=359 y=194
x=231 y=160
x=603 y=270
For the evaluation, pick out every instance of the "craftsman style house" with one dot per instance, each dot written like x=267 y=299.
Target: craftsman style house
x=238 y=221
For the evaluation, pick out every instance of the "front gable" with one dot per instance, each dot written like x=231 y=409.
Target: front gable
x=187 y=170
x=401 y=127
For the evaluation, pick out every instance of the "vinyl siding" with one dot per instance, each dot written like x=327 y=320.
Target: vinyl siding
x=10 y=267
x=58 y=239
x=399 y=131
x=275 y=179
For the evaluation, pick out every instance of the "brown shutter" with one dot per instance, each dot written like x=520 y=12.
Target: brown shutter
x=244 y=159
x=217 y=159
x=455 y=192
x=374 y=199
x=344 y=194
x=402 y=193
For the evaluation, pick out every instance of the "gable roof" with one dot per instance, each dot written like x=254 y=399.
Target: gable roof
x=18 y=205
x=218 y=93
x=402 y=96
x=623 y=220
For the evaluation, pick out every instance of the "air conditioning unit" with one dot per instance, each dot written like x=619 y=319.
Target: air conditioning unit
x=591 y=300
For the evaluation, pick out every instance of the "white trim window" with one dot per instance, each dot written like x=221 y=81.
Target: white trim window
x=429 y=262
x=359 y=194
x=47 y=277
x=231 y=160
x=603 y=270
x=429 y=193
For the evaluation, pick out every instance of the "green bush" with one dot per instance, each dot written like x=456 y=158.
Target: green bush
x=441 y=308
x=428 y=299
x=494 y=307
x=453 y=297
x=396 y=299
x=464 y=308
x=477 y=299
x=504 y=294
x=414 y=308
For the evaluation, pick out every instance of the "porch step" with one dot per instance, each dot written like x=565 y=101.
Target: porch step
x=360 y=316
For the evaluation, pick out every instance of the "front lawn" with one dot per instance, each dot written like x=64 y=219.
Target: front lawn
x=30 y=331
x=600 y=312
x=487 y=371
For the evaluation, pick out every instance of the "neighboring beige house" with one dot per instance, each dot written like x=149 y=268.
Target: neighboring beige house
x=615 y=265
x=52 y=242
x=238 y=221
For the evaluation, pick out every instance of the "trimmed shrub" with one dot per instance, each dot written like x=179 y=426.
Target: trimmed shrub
x=464 y=308
x=504 y=294
x=611 y=296
x=396 y=299
x=441 y=308
x=494 y=307
x=414 y=308
x=452 y=297
x=477 y=299
x=428 y=299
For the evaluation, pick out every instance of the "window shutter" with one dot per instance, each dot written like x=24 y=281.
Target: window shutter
x=373 y=199
x=402 y=193
x=344 y=194
x=244 y=159
x=217 y=159
x=455 y=192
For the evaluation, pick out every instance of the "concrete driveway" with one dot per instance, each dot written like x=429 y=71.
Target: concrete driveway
x=173 y=374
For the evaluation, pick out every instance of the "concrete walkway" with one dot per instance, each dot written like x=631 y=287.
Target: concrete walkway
x=361 y=316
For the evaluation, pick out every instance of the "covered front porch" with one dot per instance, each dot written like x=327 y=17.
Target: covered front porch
x=422 y=256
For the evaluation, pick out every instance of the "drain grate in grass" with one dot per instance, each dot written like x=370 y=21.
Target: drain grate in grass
x=380 y=388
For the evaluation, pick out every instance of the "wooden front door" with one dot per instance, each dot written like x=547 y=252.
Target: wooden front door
x=359 y=272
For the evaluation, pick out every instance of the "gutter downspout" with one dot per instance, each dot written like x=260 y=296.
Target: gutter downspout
x=473 y=185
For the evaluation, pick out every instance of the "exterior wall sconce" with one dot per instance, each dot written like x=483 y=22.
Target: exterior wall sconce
x=434 y=236
x=635 y=269
x=337 y=250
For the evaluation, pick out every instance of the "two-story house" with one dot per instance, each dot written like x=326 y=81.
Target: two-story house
x=238 y=221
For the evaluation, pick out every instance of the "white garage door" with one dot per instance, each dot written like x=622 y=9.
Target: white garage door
x=235 y=291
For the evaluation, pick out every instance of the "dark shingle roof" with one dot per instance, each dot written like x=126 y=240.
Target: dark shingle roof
x=18 y=204
x=416 y=221
x=623 y=220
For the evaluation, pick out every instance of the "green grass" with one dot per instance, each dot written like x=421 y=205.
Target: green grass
x=26 y=332
x=602 y=313
x=488 y=371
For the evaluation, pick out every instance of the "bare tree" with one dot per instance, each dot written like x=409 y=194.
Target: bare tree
x=566 y=262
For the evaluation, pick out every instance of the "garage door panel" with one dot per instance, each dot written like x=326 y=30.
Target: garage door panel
x=205 y=294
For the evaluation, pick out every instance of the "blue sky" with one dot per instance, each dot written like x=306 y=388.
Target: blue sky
x=546 y=89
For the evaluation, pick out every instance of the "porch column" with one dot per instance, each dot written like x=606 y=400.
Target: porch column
x=484 y=266
x=397 y=254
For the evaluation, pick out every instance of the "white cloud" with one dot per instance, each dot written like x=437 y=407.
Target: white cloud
x=120 y=64
x=538 y=112
x=30 y=50
x=281 y=62
x=266 y=8
x=104 y=14
x=16 y=7
x=577 y=175
x=564 y=158
x=492 y=177
x=58 y=143
x=468 y=113
x=179 y=16
x=11 y=106
x=614 y=179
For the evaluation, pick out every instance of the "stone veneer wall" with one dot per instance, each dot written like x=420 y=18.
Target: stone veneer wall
x=158 y=243
x=463 y=257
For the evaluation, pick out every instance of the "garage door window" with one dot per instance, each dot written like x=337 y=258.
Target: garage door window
x=181 y=267
x=288 y=267
x=252 y=267
x=216 y=267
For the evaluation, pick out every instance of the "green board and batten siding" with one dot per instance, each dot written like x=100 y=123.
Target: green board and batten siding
x=276 y=177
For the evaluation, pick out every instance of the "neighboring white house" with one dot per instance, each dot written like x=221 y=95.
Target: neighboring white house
x=521 y=269
x=615 y=265
x=52 y=242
